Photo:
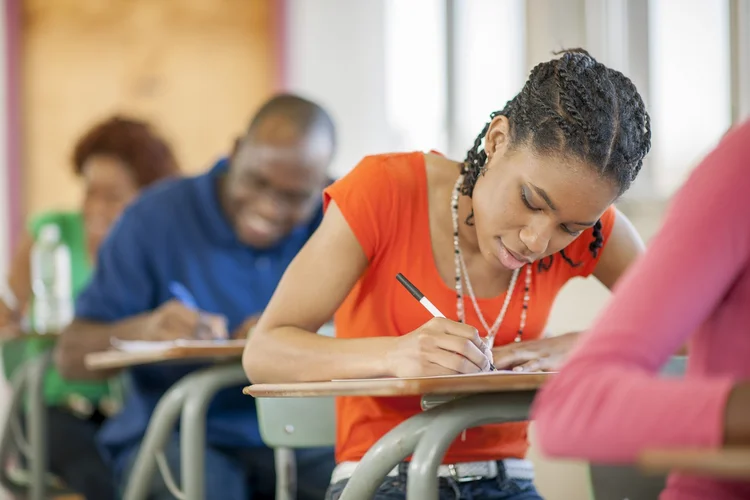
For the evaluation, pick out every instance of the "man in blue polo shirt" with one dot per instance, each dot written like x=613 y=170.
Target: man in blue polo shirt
x=227 y=236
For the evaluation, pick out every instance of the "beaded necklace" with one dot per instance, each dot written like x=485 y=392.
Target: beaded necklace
x=462 y=276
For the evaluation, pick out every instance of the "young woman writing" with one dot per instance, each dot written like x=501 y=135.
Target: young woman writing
x=490 y=241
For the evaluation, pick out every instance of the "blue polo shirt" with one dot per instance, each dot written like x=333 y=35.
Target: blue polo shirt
x=176 y=231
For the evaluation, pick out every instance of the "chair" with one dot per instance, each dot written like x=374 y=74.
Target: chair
x=627 y=482
x=23 y=455
x=23 y=452
x=289 y=423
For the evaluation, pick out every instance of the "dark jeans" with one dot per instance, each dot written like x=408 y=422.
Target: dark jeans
x=243 y=474
x=499 y=488
x=74 y=457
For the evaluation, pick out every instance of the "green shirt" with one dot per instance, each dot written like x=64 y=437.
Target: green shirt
x=56 y=389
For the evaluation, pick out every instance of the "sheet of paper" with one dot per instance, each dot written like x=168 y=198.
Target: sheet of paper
x=160 y=346
x=494 y=373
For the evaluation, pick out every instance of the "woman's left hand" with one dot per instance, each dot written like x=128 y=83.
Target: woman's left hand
x=546 y=354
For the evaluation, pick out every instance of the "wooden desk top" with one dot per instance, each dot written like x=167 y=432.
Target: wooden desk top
x=121 y=359
x=458 y=384
x=728 y=463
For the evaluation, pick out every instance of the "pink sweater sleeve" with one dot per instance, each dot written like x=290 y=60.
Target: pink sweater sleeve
x=608 y=402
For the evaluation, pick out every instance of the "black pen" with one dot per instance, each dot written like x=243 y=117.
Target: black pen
x=414 y=291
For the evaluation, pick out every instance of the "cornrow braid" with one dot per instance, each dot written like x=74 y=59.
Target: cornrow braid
x=574 y=106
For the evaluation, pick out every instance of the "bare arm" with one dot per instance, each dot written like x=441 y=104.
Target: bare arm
x=623 y=248
x=736 y=427
x=283 y=346
x=84 y=337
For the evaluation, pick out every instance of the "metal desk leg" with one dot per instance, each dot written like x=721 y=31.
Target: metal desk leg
x=456 y=416
x=203 y=386
x=9 y=439
x=157 y=435
x=36 y=422
x=285 y=463
x=391 y=449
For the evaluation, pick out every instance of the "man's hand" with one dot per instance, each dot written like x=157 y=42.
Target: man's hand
x=170 y=321
x=10 y=323
x=547 y=354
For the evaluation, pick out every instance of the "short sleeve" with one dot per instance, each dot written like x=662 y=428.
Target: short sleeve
x=580 y=251
x=123 y=283
x=365 y=198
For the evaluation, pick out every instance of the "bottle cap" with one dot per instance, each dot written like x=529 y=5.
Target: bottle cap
x=50 y=233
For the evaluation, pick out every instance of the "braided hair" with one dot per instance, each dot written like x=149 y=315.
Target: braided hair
x=574 y=106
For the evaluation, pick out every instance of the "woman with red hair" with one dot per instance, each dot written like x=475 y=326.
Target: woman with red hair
x=115 y=160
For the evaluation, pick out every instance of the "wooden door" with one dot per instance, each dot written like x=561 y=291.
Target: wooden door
x=196 y=68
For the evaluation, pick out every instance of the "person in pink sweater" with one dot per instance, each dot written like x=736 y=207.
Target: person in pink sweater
x=608 y=404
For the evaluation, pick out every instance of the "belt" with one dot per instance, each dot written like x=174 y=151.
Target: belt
x=513 y=468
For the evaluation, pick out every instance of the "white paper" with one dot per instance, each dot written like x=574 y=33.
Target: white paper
x=161 y=346
x=493 y=373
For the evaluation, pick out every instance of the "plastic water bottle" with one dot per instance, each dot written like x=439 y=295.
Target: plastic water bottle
x=52 y=307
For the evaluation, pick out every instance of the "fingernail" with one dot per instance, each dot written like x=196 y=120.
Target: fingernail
x=518 y=368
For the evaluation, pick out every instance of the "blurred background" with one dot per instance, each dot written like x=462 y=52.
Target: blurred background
x=395 y=75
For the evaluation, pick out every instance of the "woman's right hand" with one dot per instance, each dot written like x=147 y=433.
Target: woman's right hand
x=439 y=347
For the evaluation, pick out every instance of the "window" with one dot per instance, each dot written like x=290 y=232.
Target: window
x=449 y=64
x=415 y=65
x=489 y=67
x=690 y=85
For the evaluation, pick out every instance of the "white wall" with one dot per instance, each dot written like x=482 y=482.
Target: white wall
x=335 y=55
x=490 y=65
x=690 y=84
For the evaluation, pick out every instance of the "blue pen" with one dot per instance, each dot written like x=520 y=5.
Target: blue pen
x=182 y=294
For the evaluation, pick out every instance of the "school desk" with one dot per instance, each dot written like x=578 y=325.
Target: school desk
x=187 y=400
x=451 y=404
x=114 y=358
x=30 y=383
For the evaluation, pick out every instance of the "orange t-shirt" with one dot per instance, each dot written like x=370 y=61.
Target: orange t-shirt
x=384 y=201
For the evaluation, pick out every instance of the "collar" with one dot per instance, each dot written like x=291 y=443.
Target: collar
x=216 y=224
